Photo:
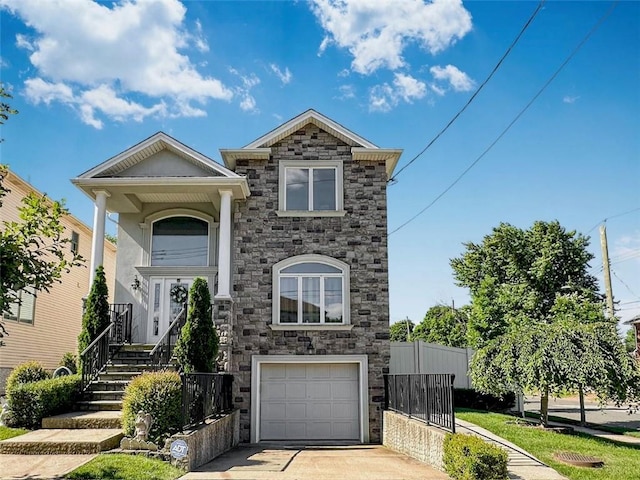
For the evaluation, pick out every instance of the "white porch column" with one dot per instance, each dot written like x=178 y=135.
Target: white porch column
x=224 y=246
x=97 y=242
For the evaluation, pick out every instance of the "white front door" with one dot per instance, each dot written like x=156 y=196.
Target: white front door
x=163 y=307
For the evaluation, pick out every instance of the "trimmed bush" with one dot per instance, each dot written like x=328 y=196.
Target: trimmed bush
x=467 y=457
x=159 y=394
x=70 y=361
x=197 y=347
x=31 y=402
x=96 y=316
x=27 y=372
x=469 y=398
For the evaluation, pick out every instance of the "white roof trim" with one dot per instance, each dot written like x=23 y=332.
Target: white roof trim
x=389 y=155
x=229 y=156
x=180 y=148
x=310 y=116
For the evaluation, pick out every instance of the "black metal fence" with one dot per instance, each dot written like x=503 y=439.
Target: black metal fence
x=205 y=395
x=121 y=315
x=424 y=396
x=162 y=352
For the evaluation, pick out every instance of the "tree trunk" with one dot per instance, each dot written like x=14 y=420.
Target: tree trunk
x=544 y=408
x=583 y=413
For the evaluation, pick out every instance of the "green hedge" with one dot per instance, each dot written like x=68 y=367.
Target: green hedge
x=31 y=402
x=159 y=394
x=27 y=372
x=469 y=398
x=468 y=457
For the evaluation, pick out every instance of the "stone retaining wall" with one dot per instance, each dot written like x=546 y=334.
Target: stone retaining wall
x=207 y=442
x=411 y=437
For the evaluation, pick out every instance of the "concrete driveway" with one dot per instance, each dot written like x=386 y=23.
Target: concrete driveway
x=279 y=462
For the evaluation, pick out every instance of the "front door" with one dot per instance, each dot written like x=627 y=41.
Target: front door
x=164 y=304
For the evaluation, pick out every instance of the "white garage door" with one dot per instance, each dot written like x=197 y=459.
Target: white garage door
x=309 y=401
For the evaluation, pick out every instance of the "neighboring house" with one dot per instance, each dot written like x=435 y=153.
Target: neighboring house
x=291 y=236
x=635 y=324
x=47 y=324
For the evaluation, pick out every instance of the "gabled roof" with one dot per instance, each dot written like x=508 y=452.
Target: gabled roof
x=361 y=148
x=152 y=145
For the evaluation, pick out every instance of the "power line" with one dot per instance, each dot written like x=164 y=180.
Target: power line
x=625 y=284
x=503 y=133
x=475 y=94
x=612 y=216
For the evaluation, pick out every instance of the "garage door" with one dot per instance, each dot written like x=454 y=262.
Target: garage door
x=309 y=401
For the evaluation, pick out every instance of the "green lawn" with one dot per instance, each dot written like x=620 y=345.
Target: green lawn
x=6 y=432
x=571 y=421
x=126 y=467
x=621 y=462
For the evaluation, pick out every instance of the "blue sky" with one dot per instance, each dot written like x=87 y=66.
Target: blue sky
x=92 y=79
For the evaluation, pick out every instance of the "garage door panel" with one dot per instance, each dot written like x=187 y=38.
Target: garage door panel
x=314 y=401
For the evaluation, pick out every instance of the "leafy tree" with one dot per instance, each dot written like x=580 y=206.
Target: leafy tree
x=537 y=317
x=33 y=251
x=401 y=331
x=630 y=339
x=5 y=108
x=444 y=325
x=112 y=238
x=96 y=311
x=197 y=346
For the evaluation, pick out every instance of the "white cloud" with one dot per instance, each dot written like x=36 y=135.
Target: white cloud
x=247 y=101
x=458 y=80
x=377 y=32
x=570 y=99
x=347 y=92
x=405 y=87
x=107 y=54
x=284 y=76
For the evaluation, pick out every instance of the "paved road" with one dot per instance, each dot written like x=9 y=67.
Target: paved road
x=569 y=407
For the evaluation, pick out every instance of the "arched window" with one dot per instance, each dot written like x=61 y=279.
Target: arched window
x=180 y=241
x=311 y=289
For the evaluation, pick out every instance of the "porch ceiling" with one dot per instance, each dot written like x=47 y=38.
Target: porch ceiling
x=128 y=195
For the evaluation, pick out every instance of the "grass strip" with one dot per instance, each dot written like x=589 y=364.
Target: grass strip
x=6 y=432
x=125 y=467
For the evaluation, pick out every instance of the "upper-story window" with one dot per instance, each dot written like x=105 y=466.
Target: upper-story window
x=311 y=289
x=180 y=241
x=75 y=242
x=311 y=188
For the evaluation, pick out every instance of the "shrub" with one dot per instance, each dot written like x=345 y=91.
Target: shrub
x=469 y=398
x=70 y=361
x=159 y=394
x=467 y=457
x=96 y=315
x=31 y=402
x=27 y=372
x=197 y=347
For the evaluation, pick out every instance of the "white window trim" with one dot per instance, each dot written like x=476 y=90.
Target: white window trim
x=282 y=188
x=363 y=382
x=19 y=318
x=310 y=258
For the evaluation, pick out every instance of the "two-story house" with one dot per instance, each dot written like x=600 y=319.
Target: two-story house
x=291 y=236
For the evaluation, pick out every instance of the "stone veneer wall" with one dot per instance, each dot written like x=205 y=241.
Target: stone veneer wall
x=261 y=239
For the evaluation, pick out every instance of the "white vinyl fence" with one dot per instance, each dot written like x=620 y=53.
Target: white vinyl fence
x=422 y=357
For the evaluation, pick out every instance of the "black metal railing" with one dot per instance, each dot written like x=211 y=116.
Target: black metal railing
x=95 y=357
x=205 y=395
x=121 y=315
x=163 y=350
x=424 y=396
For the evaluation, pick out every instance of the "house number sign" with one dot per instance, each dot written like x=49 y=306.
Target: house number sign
x=179 y=449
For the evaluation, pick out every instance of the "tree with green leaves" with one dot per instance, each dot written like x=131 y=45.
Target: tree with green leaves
x=96 y=316
x=401 y=331
x=444 y=325
x=537 y=318
x=630 y=339
x=197 y=346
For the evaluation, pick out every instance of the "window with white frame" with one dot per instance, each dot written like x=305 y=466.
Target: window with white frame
x=311 y=289
x=311 y=188
x=180 y=241
x=23 y=311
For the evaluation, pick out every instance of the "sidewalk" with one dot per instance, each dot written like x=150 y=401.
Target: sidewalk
x=614 y=437
x=521 y=465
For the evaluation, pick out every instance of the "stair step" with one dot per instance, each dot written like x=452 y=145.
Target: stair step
x=62 y=441
x=112 y=385
x=128 y=367
x=99 y=405
x=110 y=376
x=75 y=420
x=105 y=394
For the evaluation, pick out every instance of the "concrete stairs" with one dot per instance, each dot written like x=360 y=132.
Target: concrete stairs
x=97 y=426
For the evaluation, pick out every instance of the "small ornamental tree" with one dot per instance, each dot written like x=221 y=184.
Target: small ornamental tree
x=444 y=325
x=197 y=347
x=401 y=331
x=96 y=312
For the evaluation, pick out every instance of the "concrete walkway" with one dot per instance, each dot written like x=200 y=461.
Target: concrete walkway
x=522 y=465
x=37 y=467
x=279 y=462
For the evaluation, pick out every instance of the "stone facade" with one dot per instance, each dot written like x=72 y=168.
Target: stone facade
x=262 y=238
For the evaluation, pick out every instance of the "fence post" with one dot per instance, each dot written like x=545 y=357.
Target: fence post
x=451 y=405
x=185 y=407
x=386 y=392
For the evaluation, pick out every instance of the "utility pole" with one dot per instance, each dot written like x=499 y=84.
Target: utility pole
x=606 y=269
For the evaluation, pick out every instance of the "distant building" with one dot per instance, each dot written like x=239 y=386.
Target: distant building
x=47 y=324
x=635 y=324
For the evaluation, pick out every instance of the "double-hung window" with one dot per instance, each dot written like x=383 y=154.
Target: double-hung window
x=311 y=291
x=312 y=188
x=23 y=311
